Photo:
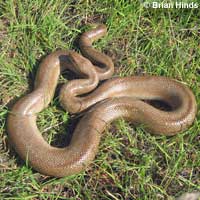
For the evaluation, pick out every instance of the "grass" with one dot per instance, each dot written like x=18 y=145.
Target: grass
x=131 y=163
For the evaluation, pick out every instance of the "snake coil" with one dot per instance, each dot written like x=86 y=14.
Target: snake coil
x=115 y=98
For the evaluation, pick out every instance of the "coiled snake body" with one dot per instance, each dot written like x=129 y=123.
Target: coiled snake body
x=115 y=98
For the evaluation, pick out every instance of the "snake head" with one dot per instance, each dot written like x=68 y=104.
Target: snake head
x=79 y=62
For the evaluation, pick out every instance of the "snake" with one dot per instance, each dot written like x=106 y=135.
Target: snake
x=101 y=98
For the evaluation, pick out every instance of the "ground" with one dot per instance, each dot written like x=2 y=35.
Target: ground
x=131 y=163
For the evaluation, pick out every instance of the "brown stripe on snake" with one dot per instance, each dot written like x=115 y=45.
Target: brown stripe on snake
x=115 y=98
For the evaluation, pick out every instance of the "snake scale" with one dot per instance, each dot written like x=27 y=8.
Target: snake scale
x=115 y=98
